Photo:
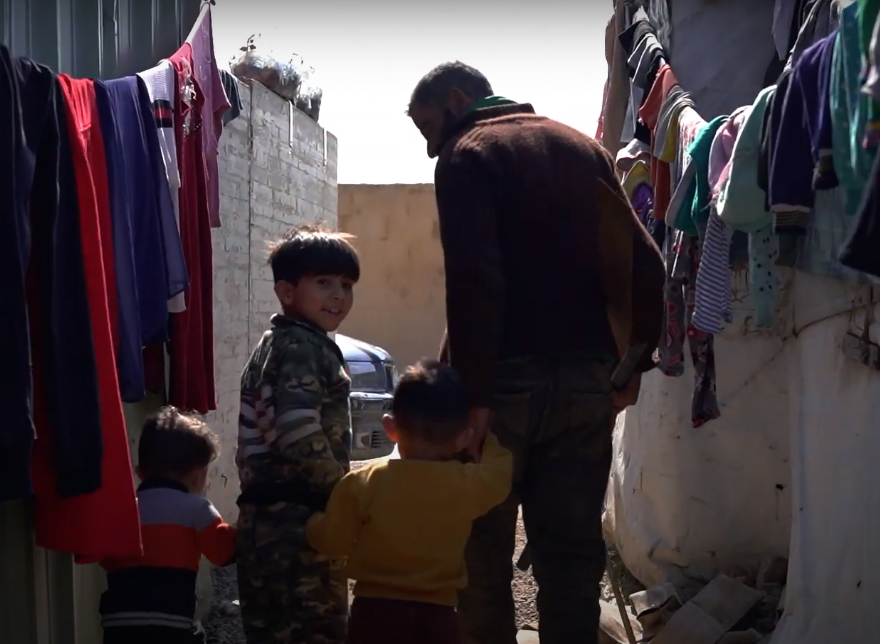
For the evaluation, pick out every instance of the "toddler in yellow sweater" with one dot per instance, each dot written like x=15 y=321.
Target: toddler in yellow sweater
x=403 y=523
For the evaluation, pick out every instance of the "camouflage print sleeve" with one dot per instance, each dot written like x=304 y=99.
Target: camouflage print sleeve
x=298 y=434
x=336 y=419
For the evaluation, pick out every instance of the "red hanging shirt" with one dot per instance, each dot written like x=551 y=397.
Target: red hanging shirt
x=105 y=523
x=191 y=349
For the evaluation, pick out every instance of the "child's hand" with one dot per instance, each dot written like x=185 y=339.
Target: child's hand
x=479 y=421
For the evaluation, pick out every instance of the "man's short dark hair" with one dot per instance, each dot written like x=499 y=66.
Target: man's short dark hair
x=174 y=445
x=435 y=86
x=313 y=250
x=431 y=402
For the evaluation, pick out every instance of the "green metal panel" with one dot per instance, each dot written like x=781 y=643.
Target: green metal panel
x=96 y=38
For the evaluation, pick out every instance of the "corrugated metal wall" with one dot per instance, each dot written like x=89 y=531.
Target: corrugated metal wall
x=44 y=598
x=96 y=38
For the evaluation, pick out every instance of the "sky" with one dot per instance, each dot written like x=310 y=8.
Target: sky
x=368 y=56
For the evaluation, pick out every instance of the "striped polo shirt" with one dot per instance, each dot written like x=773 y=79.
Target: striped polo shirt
x=156 y=592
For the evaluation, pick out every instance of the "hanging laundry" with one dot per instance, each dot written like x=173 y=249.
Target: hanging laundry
x=214 y=103
x=764 y=285
x=740 y=201
x=634 y=152
x=642 y=202
x=784 y=12
x=763 y=246
x=713 y=298
x=105 y=523
x=822 y=19
x=191 y=350
x=233 y=95
x=638 y=174
x=849 y=108
x=161 y=84
x=868 y=12
x=15 y=397
x=690 y=123
x=614 y=107
x=163 y=276
x=861 y=250
x=704 y=402
x=682 y=254
x=817 y=109
x=644 y=61
x=667 y=131
x=694 y=214
x=787 y=159
x=128 y=359
x=44 y=284
x=649 y=114
x=801 y=155
x=721 y=152
x=871 y=86
x=145 y=230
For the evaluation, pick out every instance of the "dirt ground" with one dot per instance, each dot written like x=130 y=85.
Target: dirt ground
x=224 y=627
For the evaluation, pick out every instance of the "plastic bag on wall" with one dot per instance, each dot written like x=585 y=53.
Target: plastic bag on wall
x=310 y=94
x=256 y=61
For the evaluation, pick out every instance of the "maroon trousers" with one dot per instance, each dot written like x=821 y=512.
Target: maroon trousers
x=390 y=621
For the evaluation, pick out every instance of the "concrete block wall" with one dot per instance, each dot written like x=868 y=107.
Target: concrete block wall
x=277 y=170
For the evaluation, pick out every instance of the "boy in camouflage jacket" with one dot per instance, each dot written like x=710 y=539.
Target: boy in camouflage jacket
x=293 y=445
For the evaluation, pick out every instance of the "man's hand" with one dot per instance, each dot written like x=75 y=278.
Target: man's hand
x=479 y=421
x=629 y=395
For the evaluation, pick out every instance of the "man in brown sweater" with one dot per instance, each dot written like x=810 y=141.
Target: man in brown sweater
x=550 y=278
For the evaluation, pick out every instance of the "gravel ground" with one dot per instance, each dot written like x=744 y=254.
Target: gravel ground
x=224 y=627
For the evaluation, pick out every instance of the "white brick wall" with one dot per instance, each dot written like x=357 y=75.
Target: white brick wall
x=276 y=171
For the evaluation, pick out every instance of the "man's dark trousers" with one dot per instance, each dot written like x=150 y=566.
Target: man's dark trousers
x=556 y=416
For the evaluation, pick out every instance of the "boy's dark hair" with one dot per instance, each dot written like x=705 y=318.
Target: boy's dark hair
x=174 y=444
x=434 y=87
x=431 y=402
x=313 y=250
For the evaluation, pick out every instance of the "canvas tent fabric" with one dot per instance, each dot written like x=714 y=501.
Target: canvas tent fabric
x=788 y=468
